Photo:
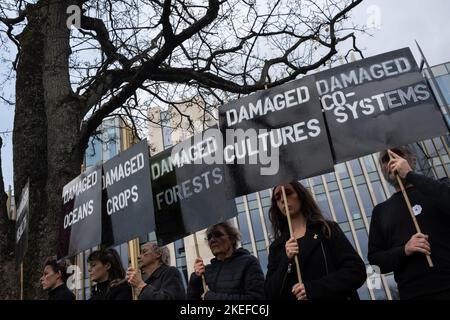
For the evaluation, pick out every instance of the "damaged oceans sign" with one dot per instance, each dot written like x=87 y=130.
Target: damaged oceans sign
x=274 y=136
x=188 y=187
x=377 y=103
x=127 y=202
x=22 y=224
x=80 y=225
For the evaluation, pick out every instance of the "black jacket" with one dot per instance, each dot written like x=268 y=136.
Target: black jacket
x=61 y=293
x=119 y=291
x=330 y=268
x=238 y=277
x=165 y=283
x=392 y=227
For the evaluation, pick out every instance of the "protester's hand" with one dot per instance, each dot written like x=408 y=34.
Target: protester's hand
x=134 y=278
x=204 y=293
x=399 y=165
x=199 y=267
x=291 y=248
x=299 y=291
x=418 y=243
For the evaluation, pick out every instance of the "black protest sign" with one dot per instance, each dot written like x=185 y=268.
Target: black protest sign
x=22 y=224
x=80 y=223
x=274 y=136
x=188 y=192
x=377 y=103
x=127 y=202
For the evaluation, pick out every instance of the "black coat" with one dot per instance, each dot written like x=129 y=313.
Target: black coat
x=392 y=227
x=330 y=268
x=119 y=291
x=61 y=293
x=238 y=277
x=165 y=283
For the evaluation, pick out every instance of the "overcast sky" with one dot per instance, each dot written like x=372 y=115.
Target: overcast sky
x=397 y=24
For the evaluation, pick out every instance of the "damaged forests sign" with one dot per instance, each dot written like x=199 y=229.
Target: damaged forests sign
x=80 y=225
x=127 y=202
x=377 y=103
x=188 y=188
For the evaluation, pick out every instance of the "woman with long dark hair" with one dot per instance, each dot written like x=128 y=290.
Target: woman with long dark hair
x=105 y=268
x=329 y=265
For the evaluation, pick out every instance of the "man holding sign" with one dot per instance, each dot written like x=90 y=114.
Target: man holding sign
x=394 y=243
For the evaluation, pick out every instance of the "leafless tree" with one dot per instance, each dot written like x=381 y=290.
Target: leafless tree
x=122 y=57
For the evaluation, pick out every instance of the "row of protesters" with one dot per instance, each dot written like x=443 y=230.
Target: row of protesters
x=330 y=267
x=163 y=282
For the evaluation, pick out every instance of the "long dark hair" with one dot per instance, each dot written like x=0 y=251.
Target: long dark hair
x=309 y=209
x=116 y=274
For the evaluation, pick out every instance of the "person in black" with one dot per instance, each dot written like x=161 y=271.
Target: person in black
x=329 y=265
x=105 y=268
x=394 y=244
x=54 y=279
x=163 y=281
x=234 y=274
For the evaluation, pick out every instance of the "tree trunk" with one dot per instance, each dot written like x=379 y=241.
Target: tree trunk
x=8 y=275
x=30 y=142
x=46 y=132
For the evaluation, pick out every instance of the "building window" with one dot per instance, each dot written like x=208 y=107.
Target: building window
x=263 y=260
x=379 y=192
x=352 y=203
x=267 y=220
x=350 y=238
x=356 y=167
x=264 y=193
x=370 y=165
x=251 y=196
x=256 y=224
x=322 y=202
x=338 y=206
x=180 y=258
x=243 y=227
x=341 y=170
x=363 y=242
x=363 y=292
x=365 y=198
x=319 y=189
x=392 y=286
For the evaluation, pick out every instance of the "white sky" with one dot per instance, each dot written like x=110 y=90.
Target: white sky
x=400 y=23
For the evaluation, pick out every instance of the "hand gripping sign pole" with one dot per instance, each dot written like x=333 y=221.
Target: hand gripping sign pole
x=291 y=232
x=133 y=252
x=408 y=203
x=197 y=252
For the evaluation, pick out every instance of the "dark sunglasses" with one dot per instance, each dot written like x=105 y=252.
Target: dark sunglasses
x=214 y=234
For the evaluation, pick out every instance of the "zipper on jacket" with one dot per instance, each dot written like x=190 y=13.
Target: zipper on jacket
x=289 y=268
x=324 y=257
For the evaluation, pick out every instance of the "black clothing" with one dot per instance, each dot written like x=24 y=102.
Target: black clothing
x=330 y=268
x=61 y=293
x=238 y=277
x=443 y=295
x=392 y=227
x=165 y=283
x=117 y=291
